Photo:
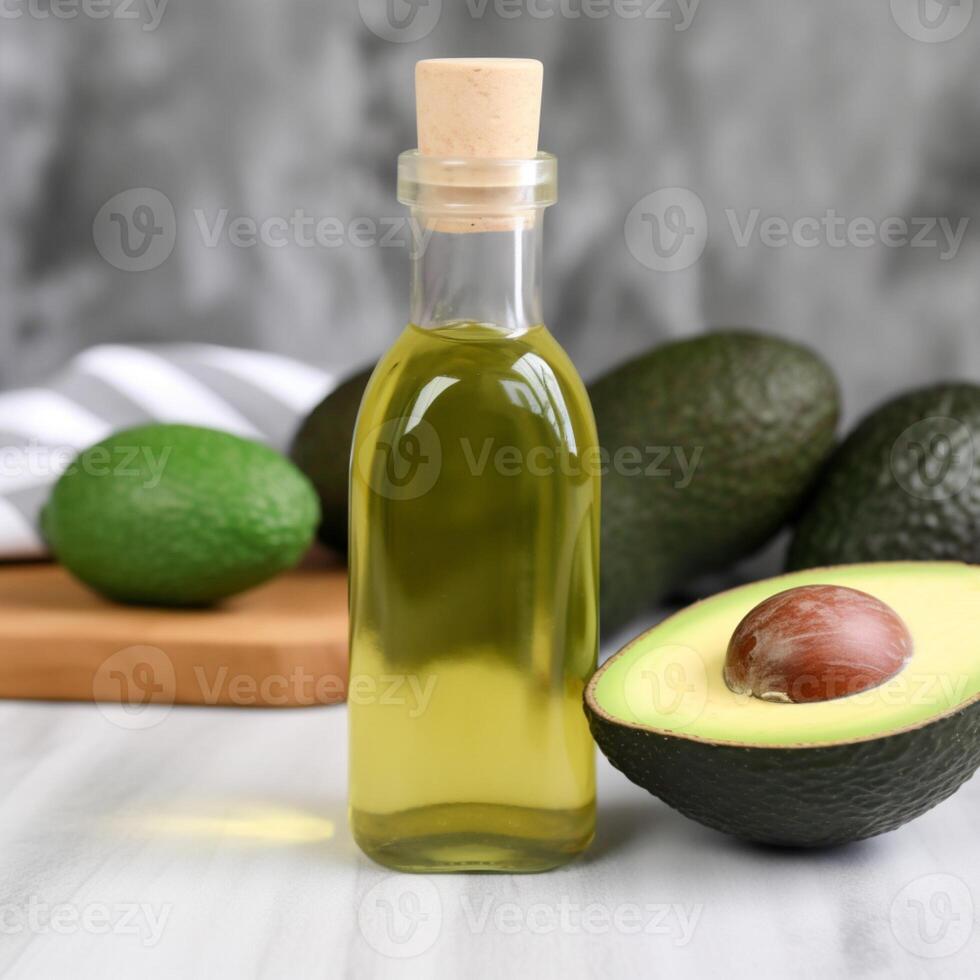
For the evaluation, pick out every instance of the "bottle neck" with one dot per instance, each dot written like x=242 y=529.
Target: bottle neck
x=491 y=277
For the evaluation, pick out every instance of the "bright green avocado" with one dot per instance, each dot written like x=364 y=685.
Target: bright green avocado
x=179 y=515
x=322 y=448
x=712 y=443
x=800 y=774
x=904 y=485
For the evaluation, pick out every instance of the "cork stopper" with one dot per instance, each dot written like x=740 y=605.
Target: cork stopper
x=478 y=108
x=477 y=167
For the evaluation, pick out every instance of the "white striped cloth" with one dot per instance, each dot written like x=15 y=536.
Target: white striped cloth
x=250 y=393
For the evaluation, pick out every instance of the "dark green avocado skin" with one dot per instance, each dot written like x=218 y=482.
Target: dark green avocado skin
x=904 y=485
x=321 y=449
x=800 y=797
x=758 y=414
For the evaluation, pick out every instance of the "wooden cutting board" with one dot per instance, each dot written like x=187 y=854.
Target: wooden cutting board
x=283 y=644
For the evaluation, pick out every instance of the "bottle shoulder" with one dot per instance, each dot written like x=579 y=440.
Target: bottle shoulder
x=476 y=371
x=474 y=352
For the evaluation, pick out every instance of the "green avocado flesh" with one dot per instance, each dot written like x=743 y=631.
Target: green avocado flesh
x=810 y=774
x=684 y=657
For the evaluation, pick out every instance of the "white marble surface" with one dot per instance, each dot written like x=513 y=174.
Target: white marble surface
x=213 y=844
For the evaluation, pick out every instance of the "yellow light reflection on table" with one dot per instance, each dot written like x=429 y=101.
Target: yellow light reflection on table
x=258 y=823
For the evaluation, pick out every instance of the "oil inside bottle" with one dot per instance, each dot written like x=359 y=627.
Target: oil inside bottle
x=474 y=562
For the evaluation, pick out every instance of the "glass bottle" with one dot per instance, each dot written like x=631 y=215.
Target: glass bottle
x=474 y=504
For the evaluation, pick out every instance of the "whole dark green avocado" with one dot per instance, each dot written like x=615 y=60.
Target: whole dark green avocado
x=712 y=443
x=179 y=515
x=904 y=485
x=321 y=449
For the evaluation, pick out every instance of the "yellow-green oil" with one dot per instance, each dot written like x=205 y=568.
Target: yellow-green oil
x=474 y=570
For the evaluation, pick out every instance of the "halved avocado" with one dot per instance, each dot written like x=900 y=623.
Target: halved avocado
x=811 y=774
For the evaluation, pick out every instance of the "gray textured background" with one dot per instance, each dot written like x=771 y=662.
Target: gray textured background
x=263 y=109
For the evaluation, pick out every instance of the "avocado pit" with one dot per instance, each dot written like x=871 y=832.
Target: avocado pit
x=816 y=643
